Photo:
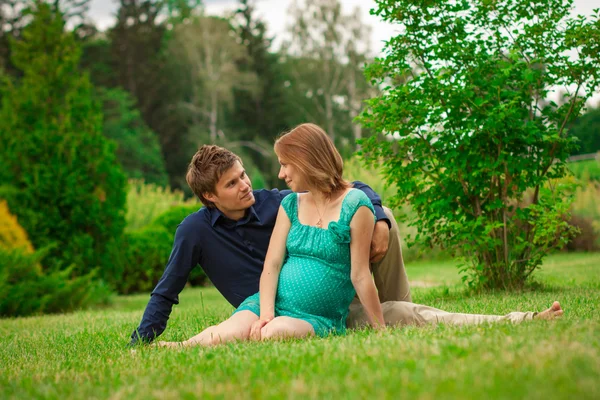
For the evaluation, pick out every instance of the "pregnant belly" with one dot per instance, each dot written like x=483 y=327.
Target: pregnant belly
x=309 y=286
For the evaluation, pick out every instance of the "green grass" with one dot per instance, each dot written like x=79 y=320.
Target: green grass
x=586 y=170
x=83 y=355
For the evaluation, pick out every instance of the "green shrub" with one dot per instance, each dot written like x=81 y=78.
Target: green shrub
x=68 y=186
x=146 y=253
x=355 y=170
x=12 y=234
x=169 y=220
x=25 y=289
x=586 y=207
x=146 y=201
x=459 y=131
x=586 y=238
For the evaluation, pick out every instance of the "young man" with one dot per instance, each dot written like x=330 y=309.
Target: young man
x=229 y=238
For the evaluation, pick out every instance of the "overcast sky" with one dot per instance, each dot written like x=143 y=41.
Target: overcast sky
x=274 y=12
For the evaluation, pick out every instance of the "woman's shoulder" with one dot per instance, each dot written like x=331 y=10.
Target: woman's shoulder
x=356 y=196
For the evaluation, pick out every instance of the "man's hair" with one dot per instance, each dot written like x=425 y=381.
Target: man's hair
x=310 y=149
x=206 y=168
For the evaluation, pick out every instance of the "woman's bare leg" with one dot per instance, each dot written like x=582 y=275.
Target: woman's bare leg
x=235 y=328
x=286 y=327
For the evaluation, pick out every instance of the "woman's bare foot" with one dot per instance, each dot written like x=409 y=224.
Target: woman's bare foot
x=553 y=312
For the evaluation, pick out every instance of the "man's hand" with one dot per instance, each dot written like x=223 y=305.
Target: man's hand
x=256 y=328
x=380 y=241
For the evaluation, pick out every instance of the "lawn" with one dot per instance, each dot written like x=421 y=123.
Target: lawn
x=83 y=355
x=587 y=169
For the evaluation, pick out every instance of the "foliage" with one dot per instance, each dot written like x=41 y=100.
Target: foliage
x=210 y=54
x=324 y=58
x=586 y=238
x=138 y=149
x=465 y=130
x=261 y=112
x=137 y=61
x=12 y=235
x=70 y=189
x=146 y=252
x=146 y=201
x=25 y=289
x=587 y=130
x=170 y=219
x=586 y=213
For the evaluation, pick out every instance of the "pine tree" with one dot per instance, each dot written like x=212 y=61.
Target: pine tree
x=67 y=188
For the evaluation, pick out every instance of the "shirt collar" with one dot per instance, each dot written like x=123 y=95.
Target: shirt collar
x=216 y=214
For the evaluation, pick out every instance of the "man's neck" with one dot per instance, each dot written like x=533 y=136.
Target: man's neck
x=234 y=215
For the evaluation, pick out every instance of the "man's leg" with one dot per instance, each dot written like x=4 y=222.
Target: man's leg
x=389 y=274
x=235 y=328
x=286 y=327
x=404 y=313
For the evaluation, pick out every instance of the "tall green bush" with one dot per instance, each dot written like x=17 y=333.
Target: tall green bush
x=69 y=186
x=464 y=126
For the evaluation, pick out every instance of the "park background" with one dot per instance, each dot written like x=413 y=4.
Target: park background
x=92 y=189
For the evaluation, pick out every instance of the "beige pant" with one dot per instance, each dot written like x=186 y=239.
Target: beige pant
x=394 y=294
x=405 y=313
x=389 y=273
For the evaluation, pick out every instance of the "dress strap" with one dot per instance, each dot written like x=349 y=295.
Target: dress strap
x=353 y=200
x=290 y=206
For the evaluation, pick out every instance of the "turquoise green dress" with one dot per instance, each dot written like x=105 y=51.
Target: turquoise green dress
x=314 y=282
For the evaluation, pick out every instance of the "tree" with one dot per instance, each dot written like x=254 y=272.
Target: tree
x=326 y=52
x=12 y=20
x=138 y=150
x=261 y=112
x=210 y=53
x=68 y=191
x=139 y=63
x=469 y=142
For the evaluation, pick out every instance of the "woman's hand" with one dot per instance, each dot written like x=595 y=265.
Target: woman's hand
x=257 y=327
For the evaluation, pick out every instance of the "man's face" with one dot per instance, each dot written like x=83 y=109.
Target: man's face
x=233 y=193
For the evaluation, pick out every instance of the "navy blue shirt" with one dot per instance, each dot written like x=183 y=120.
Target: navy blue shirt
x=231 y=253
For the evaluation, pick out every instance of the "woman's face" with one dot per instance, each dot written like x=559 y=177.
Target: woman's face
x=292 y=176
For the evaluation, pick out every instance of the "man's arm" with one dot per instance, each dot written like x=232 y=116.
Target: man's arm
x=375 y=200
x=381 y=232
x=184 y=257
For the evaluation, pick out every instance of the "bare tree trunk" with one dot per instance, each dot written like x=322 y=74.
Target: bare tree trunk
x=329 y=116
x=213 y=117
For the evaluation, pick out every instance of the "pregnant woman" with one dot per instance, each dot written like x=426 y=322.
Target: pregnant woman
x=318 y=256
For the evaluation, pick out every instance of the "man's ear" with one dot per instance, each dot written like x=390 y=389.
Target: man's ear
x=209 y=196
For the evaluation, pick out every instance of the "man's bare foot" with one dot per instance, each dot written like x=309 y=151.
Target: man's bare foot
x=553 y=312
